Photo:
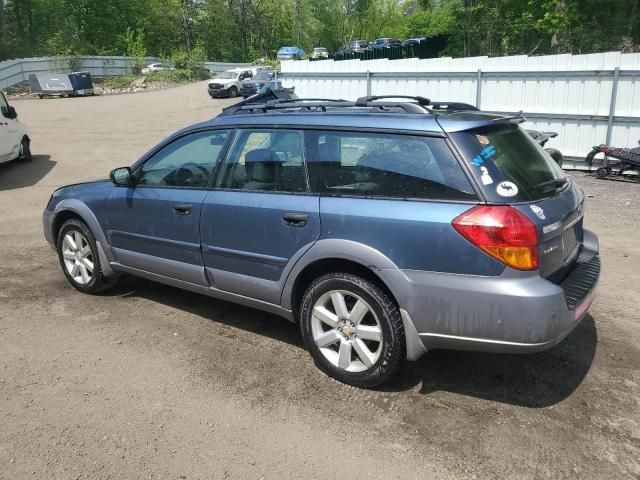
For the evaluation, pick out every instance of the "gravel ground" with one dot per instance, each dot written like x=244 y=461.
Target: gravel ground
x=152 y=382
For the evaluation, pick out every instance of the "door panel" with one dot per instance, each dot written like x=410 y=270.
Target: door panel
x=256 y=225
x=145 y=231
x=246 y=244
x=155 y=226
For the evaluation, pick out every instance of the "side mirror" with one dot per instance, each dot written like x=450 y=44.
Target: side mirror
x=9 y=112
x=121 y=177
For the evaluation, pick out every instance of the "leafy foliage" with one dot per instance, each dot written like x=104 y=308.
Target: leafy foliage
x=243 y=30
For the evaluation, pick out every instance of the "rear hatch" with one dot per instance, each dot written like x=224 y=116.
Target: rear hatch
x=510 y=168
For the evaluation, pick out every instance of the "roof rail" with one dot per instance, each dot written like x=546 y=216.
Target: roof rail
x=365 y=101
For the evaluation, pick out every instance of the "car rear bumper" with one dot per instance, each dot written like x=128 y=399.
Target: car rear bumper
x=516 y=312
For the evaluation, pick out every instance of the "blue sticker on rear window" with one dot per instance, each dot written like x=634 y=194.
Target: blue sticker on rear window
x=485 y=154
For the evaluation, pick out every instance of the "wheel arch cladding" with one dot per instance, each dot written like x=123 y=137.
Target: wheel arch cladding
x=72 y=208
x=319 y=267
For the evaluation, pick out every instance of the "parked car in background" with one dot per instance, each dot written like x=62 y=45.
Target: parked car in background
x=229 y=83
x=319 y=52
x=290 y=53
x=449 y=230
x=157 y=67
x=355 y=46
x=412 y=41
x=14 y=139
x=255 y=84
x=386 y=43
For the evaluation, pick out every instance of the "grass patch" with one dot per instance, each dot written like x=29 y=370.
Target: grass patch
x=118 y=82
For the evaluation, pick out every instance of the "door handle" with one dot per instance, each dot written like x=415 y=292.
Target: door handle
x=295 y=219
x=183 y=209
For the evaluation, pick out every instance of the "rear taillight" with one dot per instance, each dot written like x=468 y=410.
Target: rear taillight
x=503 y=232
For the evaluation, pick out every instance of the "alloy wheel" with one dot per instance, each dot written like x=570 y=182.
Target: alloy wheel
x=78 y=257
x=347 y=331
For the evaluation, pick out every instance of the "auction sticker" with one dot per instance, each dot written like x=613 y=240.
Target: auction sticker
x=507 y=189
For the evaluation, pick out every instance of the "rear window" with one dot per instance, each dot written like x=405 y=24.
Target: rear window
x=509 y=165
x=384 y=165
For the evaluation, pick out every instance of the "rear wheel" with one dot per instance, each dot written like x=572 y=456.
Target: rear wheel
x=233 y=92
x=352 y=329
x=25 y=150
x=78 y=255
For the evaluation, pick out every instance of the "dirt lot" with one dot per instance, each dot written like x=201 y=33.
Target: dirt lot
x=152 y=382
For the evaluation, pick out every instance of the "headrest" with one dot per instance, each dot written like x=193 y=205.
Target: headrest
x=261 y=165
x=261 y=155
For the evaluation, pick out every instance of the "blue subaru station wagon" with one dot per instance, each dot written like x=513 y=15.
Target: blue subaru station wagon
x=384 y=227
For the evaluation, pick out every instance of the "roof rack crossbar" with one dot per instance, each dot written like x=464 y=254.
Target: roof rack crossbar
x=302 y=100
x=365 y=101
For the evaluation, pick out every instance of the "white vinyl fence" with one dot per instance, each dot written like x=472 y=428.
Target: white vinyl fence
x=587 y=99
x=18 y=70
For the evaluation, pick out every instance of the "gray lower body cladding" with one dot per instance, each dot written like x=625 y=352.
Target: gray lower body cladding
x=516 y=312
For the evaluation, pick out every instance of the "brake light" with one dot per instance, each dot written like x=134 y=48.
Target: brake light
x=503 y=232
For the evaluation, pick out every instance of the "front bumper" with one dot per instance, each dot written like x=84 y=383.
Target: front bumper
x=218 y=92
x=47 y=227
x=249 y=91
x=516 y=312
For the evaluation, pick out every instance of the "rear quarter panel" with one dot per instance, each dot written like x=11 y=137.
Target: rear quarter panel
x=415 y=235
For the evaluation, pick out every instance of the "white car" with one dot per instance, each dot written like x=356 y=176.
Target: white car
x=157 y=67
x=14 y=140
x=229 y=83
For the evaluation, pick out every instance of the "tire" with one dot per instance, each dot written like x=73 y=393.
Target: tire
x=590 y=156
x=327 y=339
x=556 y=155
x=80 y=233
x=233 y=92
x=602 y=172
x=25 y=150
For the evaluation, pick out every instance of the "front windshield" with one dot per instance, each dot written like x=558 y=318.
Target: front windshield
x=262 y=75
x=228 y=75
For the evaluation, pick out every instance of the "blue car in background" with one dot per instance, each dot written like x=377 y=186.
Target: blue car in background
x=290 y=53
x=383 y=227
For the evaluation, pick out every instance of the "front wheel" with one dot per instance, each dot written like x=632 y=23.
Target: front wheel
x=352 y=329
x=233 y=92
x=78 y=255
x=602 y=172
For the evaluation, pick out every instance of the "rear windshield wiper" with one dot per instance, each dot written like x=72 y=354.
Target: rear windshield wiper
x=556 y=182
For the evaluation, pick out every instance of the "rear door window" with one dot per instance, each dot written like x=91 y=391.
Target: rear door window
x=384 y=165
x=265 y=160
x=509 y=165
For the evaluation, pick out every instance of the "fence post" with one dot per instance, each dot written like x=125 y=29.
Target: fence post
x=368 y=83
x=478 y=88
x=612 y=106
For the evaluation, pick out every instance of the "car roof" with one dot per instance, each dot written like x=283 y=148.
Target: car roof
x=352 y=119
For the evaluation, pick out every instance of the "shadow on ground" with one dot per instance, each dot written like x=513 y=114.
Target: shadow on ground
x=535 y=380
x=17 y=174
